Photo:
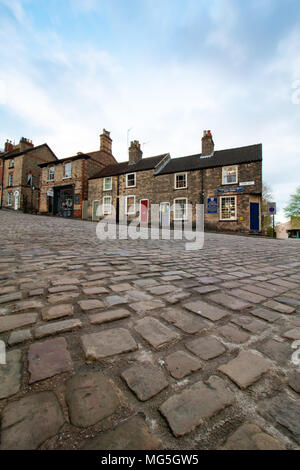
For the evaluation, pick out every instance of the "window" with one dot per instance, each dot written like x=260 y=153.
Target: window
x=130 y=180
x=29 y=179
x=180 y=180
x=228 y=208
x=229 y=174
x=107 y=184
x=130 y=205
x=107 y=205
x=51 y=173
x=10 y=179
x=180 y=209
x=68 y=170
x=9 y=199
x=11 y=164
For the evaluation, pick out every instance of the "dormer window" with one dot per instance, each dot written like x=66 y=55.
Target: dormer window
x=130 y=180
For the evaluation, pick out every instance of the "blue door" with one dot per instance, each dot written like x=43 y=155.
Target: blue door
x=254 y=216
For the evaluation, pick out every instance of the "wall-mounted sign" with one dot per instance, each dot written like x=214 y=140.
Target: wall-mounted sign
x=230 y=190
x=50 y=193
x=247 y=183
x=212 y=205
x=77 y=198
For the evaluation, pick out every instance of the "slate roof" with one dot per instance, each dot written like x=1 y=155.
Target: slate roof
x=74 y=157
x=233 y=156
x=125 y=167
x=13 y=153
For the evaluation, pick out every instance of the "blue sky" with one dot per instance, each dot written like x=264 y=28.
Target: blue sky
x=166 y=70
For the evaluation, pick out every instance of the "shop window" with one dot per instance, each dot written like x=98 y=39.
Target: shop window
x=228 y=208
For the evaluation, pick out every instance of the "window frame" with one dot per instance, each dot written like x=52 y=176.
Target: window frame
x=175 y=180
x=51 y=173
x=107 y=178
x=235 y=206
x=126 y=204
x=11 y=164
x=10 y=177
x=223 y=175
x=103 y=205
x=174 y=208
x=29 y=174
x=9 y=198
x=134 y=185
x=65 y=166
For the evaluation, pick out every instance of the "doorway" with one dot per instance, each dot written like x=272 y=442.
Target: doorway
x=164 y=210
x=144 y=208
x=254 y=216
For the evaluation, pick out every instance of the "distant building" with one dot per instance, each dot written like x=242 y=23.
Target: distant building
x=64 y=182
x=227 y=182
x=290 y=229
x=19 y=174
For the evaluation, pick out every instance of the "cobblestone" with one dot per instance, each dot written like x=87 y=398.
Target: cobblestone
x=149 y=341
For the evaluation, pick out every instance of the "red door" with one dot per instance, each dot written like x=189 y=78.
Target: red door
x=144 y=210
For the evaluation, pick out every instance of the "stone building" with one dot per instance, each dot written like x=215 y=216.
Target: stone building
x=227 y=182
x=290 y=229
x=64 y=182
x=19 y=174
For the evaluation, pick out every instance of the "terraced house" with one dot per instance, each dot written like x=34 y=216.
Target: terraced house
x=64 y=182
x=227 y=182
x=19 y=174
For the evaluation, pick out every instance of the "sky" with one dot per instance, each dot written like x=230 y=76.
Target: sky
x=159 y=72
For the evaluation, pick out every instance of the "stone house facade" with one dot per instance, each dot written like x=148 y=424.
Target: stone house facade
x=64 y=182
x=227 y=182
x=19 y=175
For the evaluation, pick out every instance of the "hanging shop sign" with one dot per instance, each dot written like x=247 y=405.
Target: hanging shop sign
x=50 y=193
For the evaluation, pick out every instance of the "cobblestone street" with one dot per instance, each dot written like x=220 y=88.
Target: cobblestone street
x=144 y=345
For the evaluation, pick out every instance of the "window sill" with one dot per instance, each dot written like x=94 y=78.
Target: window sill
x=229 y=184
x=106 y=190
x=130 y=187
x=182 y=188
x=228 y=220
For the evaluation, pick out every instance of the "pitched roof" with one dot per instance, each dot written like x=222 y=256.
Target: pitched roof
x=233 y=156
x=12 y=154
x=58 y=161
x=125 y=167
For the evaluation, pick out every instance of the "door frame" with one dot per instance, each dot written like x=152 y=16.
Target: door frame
x=259 y=215
x=160 y=212
x=95 y=219
x=141 y=210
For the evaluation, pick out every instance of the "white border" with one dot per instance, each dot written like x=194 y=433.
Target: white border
x=237 y=174
x=128 y=174
x=235 y=215
x=186 y=202
x=181 y=173
x=130 y=213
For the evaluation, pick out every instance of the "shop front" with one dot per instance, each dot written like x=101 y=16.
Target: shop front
x=63 y=201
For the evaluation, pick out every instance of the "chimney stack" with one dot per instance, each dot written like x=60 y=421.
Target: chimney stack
x=8 y=146
x=24 y=144
x=207 y=144
x=106 y=142
x=135 y=152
